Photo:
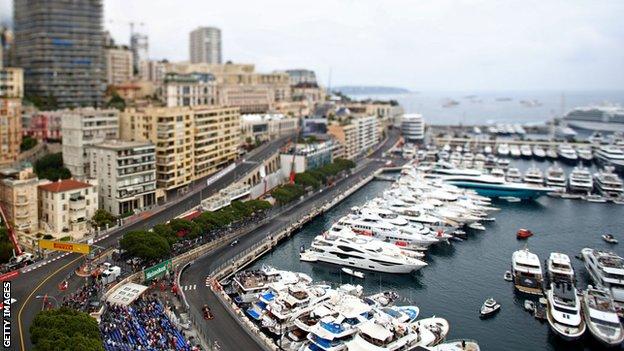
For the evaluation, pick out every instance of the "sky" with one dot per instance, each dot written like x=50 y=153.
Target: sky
x=423 y=45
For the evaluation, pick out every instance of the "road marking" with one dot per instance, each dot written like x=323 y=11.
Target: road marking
x=19 y=314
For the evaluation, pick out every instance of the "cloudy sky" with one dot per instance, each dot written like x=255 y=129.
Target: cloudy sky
x=418 y=44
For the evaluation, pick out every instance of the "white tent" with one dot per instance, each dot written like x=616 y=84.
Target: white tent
x=126 y=294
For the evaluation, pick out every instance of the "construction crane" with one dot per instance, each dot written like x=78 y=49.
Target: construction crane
x=19 y=256
x=129 y=23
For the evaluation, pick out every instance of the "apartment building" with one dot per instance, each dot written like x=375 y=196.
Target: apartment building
x=11 y=93
x=347 y=135
x=368 y=133
x=65 y=207
x=18 y=198
x=118 y=65
x=42 y=125
x=248 y=98
x=191 y=142
x=189 y=89
x=152 y=70
x=262 y=127
x=357 y=135
x=307 y=157
x=205 y=45
x=82 y=128
x=298 y=76
x=126 y=175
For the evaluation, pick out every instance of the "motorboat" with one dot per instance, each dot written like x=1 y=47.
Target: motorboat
x=556 y=178
x=345 y=248
x=529 y=305
x=490 y=161
x=356 y=274
x=567 y=154
x=538 y=152
x=502 y=163
x=497 y=172
x=580 y=181
x=248 y=284
x=503 y=150
x=487 y=149
x=551 y=154
x=585 y=155
x=383 y=333
x=601 y=318
x=524 y=234
x=457 y=345
x=559 y=268
x=513 y=175
x=609 y=238
x=307 y=257
x=382 y=299
x=514 y=151
x=489 y=308
x=443 y=155
x=610 y=155
x=564 y=311
x=608 y=184
x=527 y=271
x=534 y=176
x=595 y=198
x=525 y=151
x=511 y=199
x=508 y=276
x=606 y=269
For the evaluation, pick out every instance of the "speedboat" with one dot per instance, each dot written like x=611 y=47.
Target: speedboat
x=606 y=269
x=567 y=154
x=609 y=238
x=524 y=234
x=514 y=151
x=601 y=318
x=538 y=152
x=611 y=155
x=508 y=276
x=514 y=175
x=608 y=184
x=384 y=333
x=585 y=155
x=356 y=274
x=564 y=311
x=525 y=151
x=534 y=176
x=555 y=178
x=580 y=181
x=503 y=150
x=559 y=268
x=527 y=271
x=489 y=308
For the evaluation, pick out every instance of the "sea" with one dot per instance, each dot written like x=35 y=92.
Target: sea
x=462 y=275
x=488 y=107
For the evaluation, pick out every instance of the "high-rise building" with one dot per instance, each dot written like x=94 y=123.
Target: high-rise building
x=205 y=45
x=119 y=67
x=139 y=46
x=59 y=45
x=11 y=93
x=357 y=136
x=82 y=128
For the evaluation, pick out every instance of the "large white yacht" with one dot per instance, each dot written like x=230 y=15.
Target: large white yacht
x=580 y=180
x=611 y=155
x=559 y=268
x=607 y=271
x=525 y=150
x=564 y=311
x=601 y=318
x=248 y=284
x=608 y=184
x=346 y=248
x=534 y=176
x=567 y=154
x=527 y=272
x=514 y=151
x=585 y=154
x=556 y=178
x=503 y=150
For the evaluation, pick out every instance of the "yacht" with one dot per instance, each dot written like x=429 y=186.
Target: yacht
x=514 y=151
x=525 y=151
x=585 y=155
x=443 y=155
x=497 y=172
x=345 y=248
x=534 y=176
x=559 y=268
x=502 y=163
x=601 y=317
x=551 y=154
x=490 y=161
x=580 y=181
x=607 y=271
x=383 y=333
x=611 y=155
x=248 y=284
x=608 y=184
x=564 y=311
x=487 y=149
x=503 y=150
x=455 y=158
x=538 y=152
x=556 y=178
x=297 y=336
x=567 y=154
x=527 y=272
x=514 y=175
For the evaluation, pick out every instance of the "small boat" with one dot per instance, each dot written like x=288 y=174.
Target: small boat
x=489 y=308
x=508 y=276
x=524 y=234
x=529 y=305
x=307 y=257
x=609 y=238
x=511 y=198
x=618 y=201
x=570 y=196
x=356 y=274
x=476 y=226
x=460 y=234
x=595 y=198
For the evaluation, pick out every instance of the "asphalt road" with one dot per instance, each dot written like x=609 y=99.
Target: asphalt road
x=45 y=280
x=224 y=329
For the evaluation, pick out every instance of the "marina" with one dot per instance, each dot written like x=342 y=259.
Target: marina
x=442 y=287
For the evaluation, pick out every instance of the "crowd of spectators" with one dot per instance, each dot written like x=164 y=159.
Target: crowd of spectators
x=86 y=298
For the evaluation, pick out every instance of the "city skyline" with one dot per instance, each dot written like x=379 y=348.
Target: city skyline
x=423 y=45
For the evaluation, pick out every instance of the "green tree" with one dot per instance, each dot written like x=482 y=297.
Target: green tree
x=306 y=179
x=28 y=143
x=145 y=245
x=102 y=217
x=6 y=247
x=65 y=329
x=51 y=167
x=116 y=101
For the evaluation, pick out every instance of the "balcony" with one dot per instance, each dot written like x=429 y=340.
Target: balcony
x=21 y=214
x=22 y=201
x=77 y=204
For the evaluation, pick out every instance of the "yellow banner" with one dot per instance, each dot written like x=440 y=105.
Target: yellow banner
x=64 y=246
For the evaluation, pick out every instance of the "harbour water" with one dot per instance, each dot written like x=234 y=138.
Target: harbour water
x=487 y=107
x=462 y=275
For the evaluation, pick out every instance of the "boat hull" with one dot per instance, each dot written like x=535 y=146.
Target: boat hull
x=502 y=191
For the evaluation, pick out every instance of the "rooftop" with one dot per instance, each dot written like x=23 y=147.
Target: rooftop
x=64 y=185
x=262 y=117
x=121 y=144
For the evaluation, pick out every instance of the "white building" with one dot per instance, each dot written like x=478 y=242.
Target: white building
x=65 y=207
x=307 y=157
x=413 y=128
x=263 y=127
x=118 y=65
x=189 y=89
x=81 y=128
x=205 y=45
x=126 y=174
x=367 y=129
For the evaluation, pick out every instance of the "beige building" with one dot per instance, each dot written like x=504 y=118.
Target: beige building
x=118 y=65
x=65 y=208
x=191 y=142
x=152 y=71
x=346 y=134
x=126 y=175
x=18 y=198
x=189 y=89
x=11 y=93
x=358 y=135
x=259 y=127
